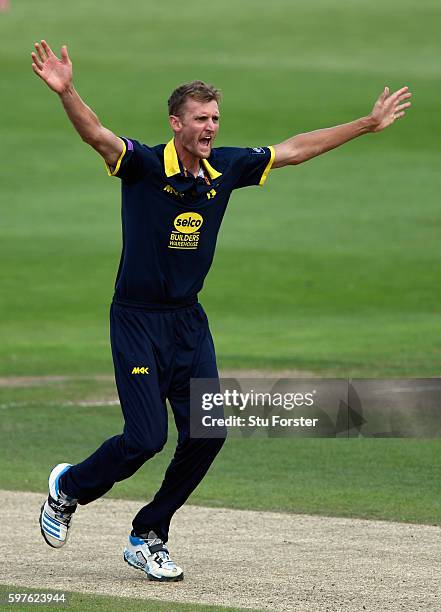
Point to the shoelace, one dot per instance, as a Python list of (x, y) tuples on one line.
[(153, 541), (64, 517), (62, 511), (163, 558)]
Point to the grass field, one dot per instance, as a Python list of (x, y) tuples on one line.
[(332, 267), (322, 476)]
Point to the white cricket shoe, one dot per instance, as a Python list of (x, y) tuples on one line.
[(56, 512), (151, 555)]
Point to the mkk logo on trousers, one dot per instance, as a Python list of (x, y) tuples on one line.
[(186, 232), (140, 370)]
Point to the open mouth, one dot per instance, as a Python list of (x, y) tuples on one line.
[(205, 141)]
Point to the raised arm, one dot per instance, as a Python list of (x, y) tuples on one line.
[(300, 148), (57, 74)]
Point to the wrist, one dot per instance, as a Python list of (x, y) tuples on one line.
[(368, 124), (67, 91)]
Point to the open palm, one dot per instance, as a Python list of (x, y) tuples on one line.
[(56, 73), (388, 108)]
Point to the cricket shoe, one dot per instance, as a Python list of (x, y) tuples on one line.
[(150, 554), (56, 513)]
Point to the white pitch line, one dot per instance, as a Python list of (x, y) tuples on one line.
[(80, 404)]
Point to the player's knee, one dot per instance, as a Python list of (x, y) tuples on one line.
[(210, 446), (152, 447), (146, 446), (157, 446)]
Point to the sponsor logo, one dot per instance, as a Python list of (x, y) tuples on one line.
[(258, 150), (188, 223), (186, 233), (140, 370), (172, 190)]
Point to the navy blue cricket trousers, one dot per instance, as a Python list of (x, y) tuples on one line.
[(155, 353)]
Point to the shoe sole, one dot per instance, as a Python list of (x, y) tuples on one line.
[(155, 578), (42, 531)]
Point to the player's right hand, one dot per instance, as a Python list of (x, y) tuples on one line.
[(56, 73)]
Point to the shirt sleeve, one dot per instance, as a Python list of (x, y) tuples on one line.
[(135, 161), (254, 165)]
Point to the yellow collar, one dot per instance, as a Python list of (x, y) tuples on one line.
[(171, 162)]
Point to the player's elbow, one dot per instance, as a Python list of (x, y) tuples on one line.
[(91, 138), (298, 153), (101, 146), (304, 148), (286, 154), (304, 154), (296, 157), (109, 146), (95, 135)]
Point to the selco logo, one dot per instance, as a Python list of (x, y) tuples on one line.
[(188, 222)]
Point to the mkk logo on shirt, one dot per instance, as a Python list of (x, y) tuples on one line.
[(170, 189), (186, 232)]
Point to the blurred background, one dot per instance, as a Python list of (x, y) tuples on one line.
[(331, 268), (333, 265)]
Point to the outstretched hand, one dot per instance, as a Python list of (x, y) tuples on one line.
[(56, 73), (388, 108)]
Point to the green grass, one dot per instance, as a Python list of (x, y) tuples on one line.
[(333, 266), (82, 601), (367, 478)]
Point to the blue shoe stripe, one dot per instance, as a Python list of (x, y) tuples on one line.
[(50, 520), (50, 529), (136, 541), (55, 528), (51, 532)]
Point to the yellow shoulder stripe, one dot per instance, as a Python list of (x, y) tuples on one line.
[(111, 172), (214, 174), (268, 166), (171, 163)]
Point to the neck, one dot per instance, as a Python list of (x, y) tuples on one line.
[(188, 160)]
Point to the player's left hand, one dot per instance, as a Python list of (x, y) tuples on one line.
[(388, 108)]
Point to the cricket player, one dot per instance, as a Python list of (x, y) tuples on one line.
[(174, 197)]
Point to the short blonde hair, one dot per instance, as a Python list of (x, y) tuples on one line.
[(197, 90)]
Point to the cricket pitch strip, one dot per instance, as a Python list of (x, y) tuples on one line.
[(261, 560)]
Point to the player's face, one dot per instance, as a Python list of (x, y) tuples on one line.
[(197, 126)]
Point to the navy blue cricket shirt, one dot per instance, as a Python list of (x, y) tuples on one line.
[(170, 219)]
